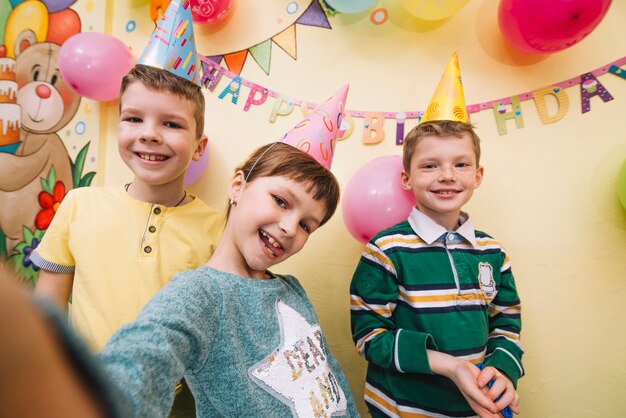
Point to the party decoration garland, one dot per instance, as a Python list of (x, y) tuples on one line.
[(504, 109), (286, 40)]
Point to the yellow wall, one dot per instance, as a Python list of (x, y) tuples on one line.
[(549, 192)]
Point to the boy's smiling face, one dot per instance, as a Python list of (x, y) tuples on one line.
[(443, 175), (156, 137)]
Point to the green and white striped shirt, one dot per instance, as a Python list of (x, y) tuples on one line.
[(418, 286)]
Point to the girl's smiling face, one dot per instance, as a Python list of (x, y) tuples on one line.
[(271, 220)]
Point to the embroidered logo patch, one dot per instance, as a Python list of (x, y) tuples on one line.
[(297, 372), (485, 279)]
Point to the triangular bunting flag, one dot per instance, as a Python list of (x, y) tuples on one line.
[(262, 54), (286, 40), (215, 58), (314, 16), (235, 61)]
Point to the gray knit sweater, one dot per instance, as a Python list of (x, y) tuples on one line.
[(246, 347)]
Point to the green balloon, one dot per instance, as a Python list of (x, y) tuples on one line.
[(5, 11), (621, 185)]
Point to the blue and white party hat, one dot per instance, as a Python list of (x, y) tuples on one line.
[(172, 46)]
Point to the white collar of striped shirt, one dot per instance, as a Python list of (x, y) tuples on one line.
[(429, 231)]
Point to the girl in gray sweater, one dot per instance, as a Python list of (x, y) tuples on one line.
[(246, 340)]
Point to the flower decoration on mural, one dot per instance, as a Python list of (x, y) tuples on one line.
[(28, 249), (49, 203), (53, 192), (22, 264)]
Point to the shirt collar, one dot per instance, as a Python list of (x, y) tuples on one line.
[(429, 231)]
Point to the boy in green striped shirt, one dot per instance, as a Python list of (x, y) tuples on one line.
[(431, 296)]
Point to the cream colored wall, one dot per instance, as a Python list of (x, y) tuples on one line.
[(549, 192)]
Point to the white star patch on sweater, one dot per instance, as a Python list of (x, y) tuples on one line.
[(297, 372)]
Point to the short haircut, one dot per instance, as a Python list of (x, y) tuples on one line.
[(280, 159), (162, 80), (438, 128)]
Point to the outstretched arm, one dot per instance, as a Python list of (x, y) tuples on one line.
[(40, 378), (172, 336)]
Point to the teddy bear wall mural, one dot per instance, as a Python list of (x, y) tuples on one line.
[(36, 170)]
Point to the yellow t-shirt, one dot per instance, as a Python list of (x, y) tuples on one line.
[(122, 251)]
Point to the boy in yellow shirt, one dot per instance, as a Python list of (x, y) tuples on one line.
[(113, 248)]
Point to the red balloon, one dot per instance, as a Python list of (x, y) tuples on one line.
[(374, 198), (62, 25), (547, 26), (209, 11)]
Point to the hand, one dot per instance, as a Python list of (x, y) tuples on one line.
[(465, 376), (501, 388)]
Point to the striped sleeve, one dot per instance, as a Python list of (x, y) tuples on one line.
[(504, 347), (373, 297)]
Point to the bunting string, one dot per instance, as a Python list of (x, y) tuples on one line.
[(504, 109)]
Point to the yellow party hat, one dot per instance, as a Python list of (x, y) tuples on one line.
[(448, 102)]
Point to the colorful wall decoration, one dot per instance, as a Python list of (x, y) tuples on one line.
[(255, 27), (47, 131)]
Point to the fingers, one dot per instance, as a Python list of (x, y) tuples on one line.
[(501, 389), (506, 399), (479, 398), (486, 375), (514, 405), (481, 411), (465, 378)]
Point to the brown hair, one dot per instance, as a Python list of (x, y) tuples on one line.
[(159, 80), (437, 128), (280, 159)]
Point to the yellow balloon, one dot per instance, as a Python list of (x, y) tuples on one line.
[(27, 22), (433, 9)]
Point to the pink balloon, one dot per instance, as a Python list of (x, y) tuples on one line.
[(209, 11), (547, 26), (374, 198), (93, 64), (197, 168)]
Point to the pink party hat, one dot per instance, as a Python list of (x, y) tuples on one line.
[(172, 46), (317, 133)]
